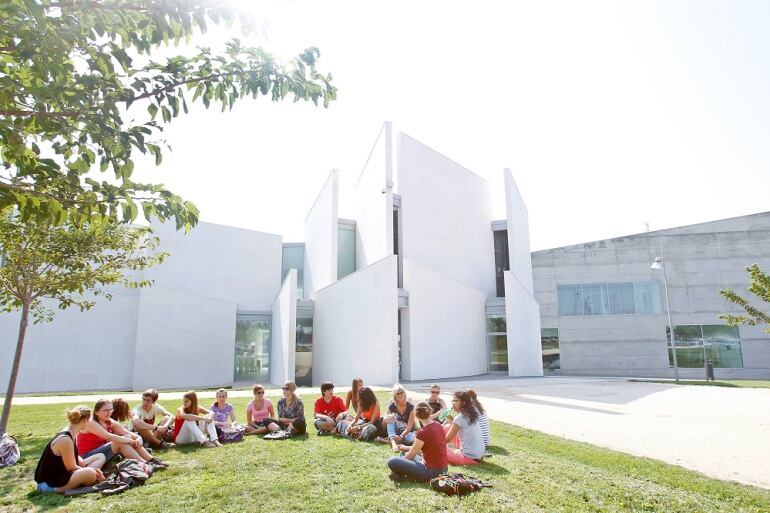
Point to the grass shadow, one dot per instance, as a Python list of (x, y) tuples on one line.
[(497, 450), (492, 468)]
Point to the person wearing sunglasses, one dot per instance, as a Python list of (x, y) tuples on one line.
[(291, 411), (436, 403), (260, 413)]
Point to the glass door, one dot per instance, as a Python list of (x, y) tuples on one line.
[(252, 349), (497, 343)]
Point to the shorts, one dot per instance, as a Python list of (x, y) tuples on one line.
[(45, 488), (105, 449)]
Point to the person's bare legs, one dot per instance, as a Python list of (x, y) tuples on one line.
[(95, 460), (149, 436), (81, 477), (128, 452)]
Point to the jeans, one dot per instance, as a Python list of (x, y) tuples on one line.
[(414, 470), (393, 430)]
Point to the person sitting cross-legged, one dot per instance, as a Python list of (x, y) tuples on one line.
[(367, 421), (260, 413), (144, 417), (328, 410), (429, 441), (194, 424), (465, 432), (436, 403), (291, 411), (399, 422)]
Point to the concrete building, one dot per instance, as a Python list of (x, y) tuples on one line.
[(418, 284), (603, 309)]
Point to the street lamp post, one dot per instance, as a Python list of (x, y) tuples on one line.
[(658, 264)]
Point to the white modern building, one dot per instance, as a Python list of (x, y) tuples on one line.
[(422, 283)]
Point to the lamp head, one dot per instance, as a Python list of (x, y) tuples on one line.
[(657, 264)]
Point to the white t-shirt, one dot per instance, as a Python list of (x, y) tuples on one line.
[(147, 416), (470, 436)]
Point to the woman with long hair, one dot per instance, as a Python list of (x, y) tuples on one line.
[(367, 421), (399, 422), (260, 413), (194, 424), (102, 435), (60, 468), (121, 411), (430, 442), (291, 411), (464, 427), (483, 418), (352, 396)]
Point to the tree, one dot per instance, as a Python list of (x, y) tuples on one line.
[(60, 263), (760, 287), (71, 82)]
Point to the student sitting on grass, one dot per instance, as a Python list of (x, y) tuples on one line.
[(399, 422), (224, 413), (60, 468), (102, 435), (465, 432), (328, 410), (291, 411), (352, 396), (436, 403), (483, 418), (194, 424), (144, 417), (260, 413), (430, 442), (121, 411), (367, 421)]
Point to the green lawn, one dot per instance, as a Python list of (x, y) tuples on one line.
[(530, 471), (734, 383)]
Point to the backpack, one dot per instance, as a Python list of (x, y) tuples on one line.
[(457, 484), (9, 451), (128, 473), (232, 433)]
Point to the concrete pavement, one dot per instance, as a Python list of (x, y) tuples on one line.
[(721, 432)]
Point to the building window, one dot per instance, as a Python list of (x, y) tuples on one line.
[(696, 344), (497, 341), (502, 262), (252, 348), (303, 353), (641, 298), (549, 339), (346, 249), (294, 258)]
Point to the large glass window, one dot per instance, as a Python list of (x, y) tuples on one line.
[(346, 250), (695, 344), (549, 338), (294, 258), (609, 298), (497, 340), (303, 353), (502, 262), (252, 349)]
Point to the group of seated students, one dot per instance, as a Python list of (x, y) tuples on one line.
[(456, 435)]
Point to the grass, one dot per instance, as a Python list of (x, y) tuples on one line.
[(530, 471), (735, 383)]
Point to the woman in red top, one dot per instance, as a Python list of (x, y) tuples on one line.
[(367, 421), (102, 435), (430, 442)]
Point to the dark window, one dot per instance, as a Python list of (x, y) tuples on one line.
[(502, 263)]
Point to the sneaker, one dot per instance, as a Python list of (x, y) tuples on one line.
[(207, 445), (398, 478), (321, 432), (167, 445), (158, 463)]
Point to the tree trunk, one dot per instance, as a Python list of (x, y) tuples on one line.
[(15, 368)]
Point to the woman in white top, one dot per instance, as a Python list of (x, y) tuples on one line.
[(464, 427)]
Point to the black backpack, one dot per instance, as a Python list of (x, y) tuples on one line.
[(457, 484)]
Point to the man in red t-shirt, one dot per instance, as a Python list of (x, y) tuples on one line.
[(328, 410)]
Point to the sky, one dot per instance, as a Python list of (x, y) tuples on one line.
[(611, 115)]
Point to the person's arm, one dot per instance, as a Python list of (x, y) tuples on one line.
[(95, 428), (414, 450), (180, 414), (233, 420), (452, 433), (410, 423), (207, 415), (63, 448), (440, 411), (271, 410), (139, 424), (168, 419), (376, 413), (348, 398)]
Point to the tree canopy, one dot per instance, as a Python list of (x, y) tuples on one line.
[(81, 96), (760, 287)]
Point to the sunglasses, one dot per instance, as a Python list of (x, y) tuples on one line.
[(261, 392), (434, 392), (285, 388)]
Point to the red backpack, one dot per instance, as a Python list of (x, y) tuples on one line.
[(457, 484)]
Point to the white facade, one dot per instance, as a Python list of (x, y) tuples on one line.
[(226, 306)]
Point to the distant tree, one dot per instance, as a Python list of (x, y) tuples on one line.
[(760, 287), (72, 74), (62, 263)]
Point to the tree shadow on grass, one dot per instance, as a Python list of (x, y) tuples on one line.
[(46, 501)]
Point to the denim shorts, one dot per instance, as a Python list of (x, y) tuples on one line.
[(105, 449)]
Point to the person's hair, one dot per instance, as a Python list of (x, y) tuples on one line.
[(78, 414), (99, 404), (423, 410), (326, 385), (355, 388), (292, 386), (366, 398), (221, 390), (468, 408), (120, 410), (257, 388), (476, 402), (151, 393), (193, 398), (435, 385), (397, 389)]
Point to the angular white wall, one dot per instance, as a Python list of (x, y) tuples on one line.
[(183, 340), (518, 233), (321, 238), (373, 203), (447, 326), (284, 331), (522, 316), (355, 327), (446, 216)]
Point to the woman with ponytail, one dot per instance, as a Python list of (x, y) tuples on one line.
[(465, 427), (483, 419), (430, 442)]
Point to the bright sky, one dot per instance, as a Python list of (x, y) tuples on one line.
[(610, 114)]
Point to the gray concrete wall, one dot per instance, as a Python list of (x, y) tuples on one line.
[(701, 259)]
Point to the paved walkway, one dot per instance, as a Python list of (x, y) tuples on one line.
[(721, 432)]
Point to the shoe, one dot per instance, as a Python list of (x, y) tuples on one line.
[(382, 439), (398, 478), (321, 432), (158, 463), (167, 445), (207, 445)]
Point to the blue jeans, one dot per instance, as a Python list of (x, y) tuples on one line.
[(105, 449), (393, 430), (414, 470)]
